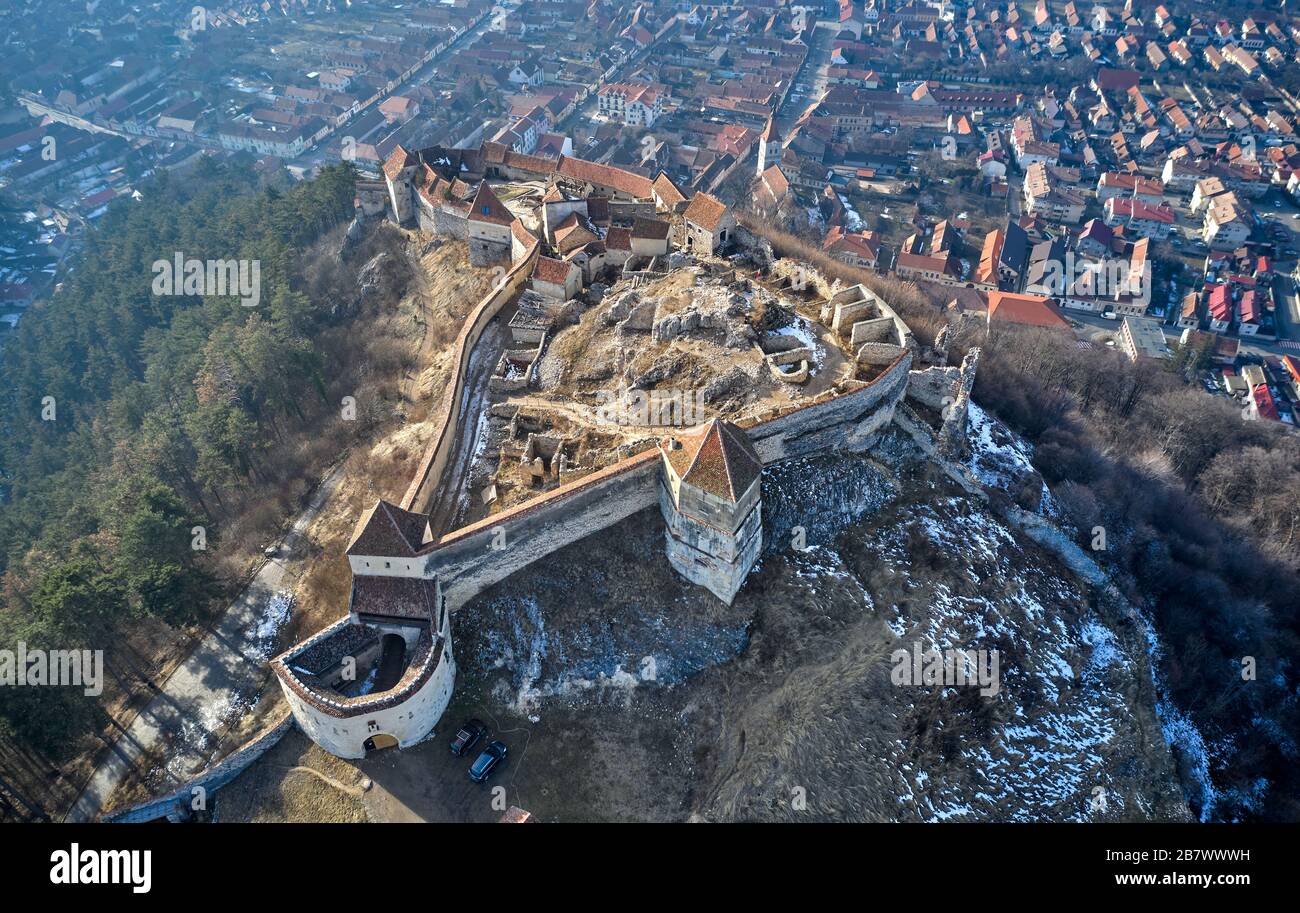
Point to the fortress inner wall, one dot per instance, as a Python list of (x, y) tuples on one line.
[(433, 462), (474, 557), (846, 423)]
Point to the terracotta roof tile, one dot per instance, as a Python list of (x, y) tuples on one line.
[(487, 208), (398, 159), (551, 270), (633, 185), (667, 190), (719, 459), (705, 211), (1028, 310)]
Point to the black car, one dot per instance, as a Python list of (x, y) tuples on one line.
[(467, 737), (492, 756)]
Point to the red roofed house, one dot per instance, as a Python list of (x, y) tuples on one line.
[(1139, 217), (557, 279), (489, 228), (398, 109), (1219, 307), (1292, 365), (1262, 403), (857, 249), (1025, 310), (632, 104), (708, 224), (1251, 313)]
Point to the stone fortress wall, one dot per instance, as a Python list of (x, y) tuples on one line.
[(419, 495), (474, 557), (470, 559), (463, 562)]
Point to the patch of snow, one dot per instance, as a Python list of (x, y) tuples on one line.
[(802, 330)]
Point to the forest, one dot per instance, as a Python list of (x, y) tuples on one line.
[(136, 427)]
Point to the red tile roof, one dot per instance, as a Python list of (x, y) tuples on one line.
[(719, 459), (398, 159), (487, 208), (667, 190), (551, 270), (618, 239), (633, 185), (1264, 403), (1027, 310)]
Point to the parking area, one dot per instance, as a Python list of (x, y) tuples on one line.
[(625, 760)]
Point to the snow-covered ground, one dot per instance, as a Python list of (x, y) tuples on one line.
[(585, 657), (200, 727), (999, 456), (803, 331), (1060, 708)]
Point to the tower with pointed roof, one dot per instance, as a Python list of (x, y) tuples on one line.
[(489, 228), (399, 169), (711, 504)]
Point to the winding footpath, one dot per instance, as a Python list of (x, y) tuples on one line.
[(220, 678)]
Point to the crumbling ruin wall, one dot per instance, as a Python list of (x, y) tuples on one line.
[(952, 435), (874, 330), (934, 387), (802, 276), (848, 422), (878, 353)]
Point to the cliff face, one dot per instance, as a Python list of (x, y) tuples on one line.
[(790, 704), (817, 723)]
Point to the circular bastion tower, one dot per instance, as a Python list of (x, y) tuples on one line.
[(383, 674)]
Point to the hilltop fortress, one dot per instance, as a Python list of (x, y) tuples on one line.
[(563, 230)]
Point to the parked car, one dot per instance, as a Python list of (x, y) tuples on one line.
[(488, 761), (1109, 314), (467, 736)]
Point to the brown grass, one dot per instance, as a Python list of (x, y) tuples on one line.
[(904, 297)]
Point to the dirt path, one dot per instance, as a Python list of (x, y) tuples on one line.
[(355, 792), (224, 673), (445, 507)]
